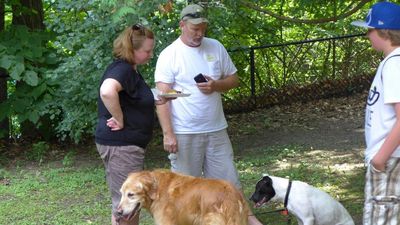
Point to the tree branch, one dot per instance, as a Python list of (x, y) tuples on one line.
[(305, 21)]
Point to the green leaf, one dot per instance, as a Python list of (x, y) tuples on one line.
[(122, 12), (17, 70), (37, 52), (20, 105), (31, 78), (23, 33), (3, 48), (39, 90), (5, 62), (33, 116), (28, 54), (51, 59)]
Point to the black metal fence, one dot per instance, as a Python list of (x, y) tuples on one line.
[(301, 71)]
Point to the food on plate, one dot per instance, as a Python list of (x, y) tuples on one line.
[(172, 91)]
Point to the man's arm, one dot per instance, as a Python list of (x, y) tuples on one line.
[(222, 85), (164, 116)]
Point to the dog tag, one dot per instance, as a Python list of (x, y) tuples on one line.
[(284, 212)]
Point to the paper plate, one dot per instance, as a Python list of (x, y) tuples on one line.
[(156, 93)]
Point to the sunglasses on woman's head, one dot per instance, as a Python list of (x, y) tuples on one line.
[(138, 27)]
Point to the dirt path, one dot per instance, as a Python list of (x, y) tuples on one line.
[(330, 124)]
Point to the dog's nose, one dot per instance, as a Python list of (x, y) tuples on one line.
[(120, 211), (118, 215), (253, 197)]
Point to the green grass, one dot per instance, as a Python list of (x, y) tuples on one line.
[(292, 162), (68, 194)]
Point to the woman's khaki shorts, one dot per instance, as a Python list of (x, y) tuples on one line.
[(119, 161)]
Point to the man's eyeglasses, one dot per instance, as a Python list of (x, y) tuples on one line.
[(139, 27)]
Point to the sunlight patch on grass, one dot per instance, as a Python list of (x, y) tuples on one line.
[(344, 183)]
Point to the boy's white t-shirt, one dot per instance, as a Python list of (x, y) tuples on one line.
[(380, 115), (178, 64)]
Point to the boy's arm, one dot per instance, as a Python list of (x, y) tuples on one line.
[(391, 143)]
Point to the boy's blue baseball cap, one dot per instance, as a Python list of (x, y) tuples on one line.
[(382, 15)]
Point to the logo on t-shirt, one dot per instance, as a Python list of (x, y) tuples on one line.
[(373, 96), (210, 58)]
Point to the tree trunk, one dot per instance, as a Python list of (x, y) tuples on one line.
[(2, 14), (4, 124), (30, 14)]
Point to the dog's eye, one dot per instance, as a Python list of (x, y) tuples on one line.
[(130, 195)]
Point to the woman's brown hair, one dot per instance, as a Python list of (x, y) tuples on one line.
[(130, 40)]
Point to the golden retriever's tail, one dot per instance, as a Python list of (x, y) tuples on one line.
[(244, 212), (230, 213), (214, 218), (238, 212)]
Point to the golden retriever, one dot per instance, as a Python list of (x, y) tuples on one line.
[(176, 199)]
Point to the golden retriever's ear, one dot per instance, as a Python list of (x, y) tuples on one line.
[(153, 194)]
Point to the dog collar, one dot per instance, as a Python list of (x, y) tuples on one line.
[(287, 194)]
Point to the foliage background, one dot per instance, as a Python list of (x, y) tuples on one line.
[(54, 72)]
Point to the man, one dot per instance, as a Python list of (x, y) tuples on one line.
[(194, 127)]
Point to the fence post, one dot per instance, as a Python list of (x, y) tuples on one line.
[(252, 76), (334, 59)]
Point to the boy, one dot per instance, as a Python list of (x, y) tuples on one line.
[(382, 118)]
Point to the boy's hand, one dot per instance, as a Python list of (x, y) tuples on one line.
[(378, 163)]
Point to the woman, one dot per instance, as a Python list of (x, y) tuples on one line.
[(125, 111)]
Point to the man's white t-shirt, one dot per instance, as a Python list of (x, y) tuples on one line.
[(178, 64), (380, 115)]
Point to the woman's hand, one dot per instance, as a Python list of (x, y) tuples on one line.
[(114, 124)]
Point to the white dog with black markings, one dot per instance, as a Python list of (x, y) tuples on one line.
[(308, 204)]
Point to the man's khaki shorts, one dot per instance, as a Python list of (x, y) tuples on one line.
[(208, 154)]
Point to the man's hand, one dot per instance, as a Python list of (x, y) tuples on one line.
[(207, 87), (162, 100), (170, 143), (220, 85)]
